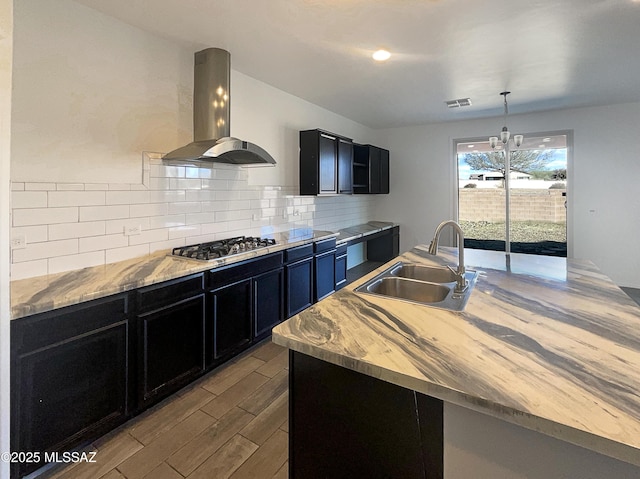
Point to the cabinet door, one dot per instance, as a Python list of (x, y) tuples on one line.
[(341, 271), (328, 181), (384, 171), (374, 169), (70, 390), (268, 302), (230, 307), (345, 166), (299, 286), (172, 348), (325, 274)]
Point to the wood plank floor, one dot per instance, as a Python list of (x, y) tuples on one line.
[(232, 423)]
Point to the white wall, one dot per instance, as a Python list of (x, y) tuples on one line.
[(6, 40), (91, 95), (602, 186)]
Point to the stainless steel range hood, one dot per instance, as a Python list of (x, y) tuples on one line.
[(211, 114)]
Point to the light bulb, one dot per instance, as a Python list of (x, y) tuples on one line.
[(517, 140), (493, 141), (504, 135)]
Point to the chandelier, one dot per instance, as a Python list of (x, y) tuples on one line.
[(505, 134)]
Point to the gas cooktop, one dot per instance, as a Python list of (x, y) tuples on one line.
[(221, 248)]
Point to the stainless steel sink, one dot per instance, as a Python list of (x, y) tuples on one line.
[(417, 291), (424, 273), (426, 285)]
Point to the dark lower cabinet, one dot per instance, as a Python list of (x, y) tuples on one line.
[(298, 275), (172, 347), (171, 321), (268, 289), (70, 377), (343, 424), (341, 266), (325, 274), (230, 307)]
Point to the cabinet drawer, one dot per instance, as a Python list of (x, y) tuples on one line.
[(299, 252), (44, 329), (324, 245), (158, 295), (236, 272), (341, 249)]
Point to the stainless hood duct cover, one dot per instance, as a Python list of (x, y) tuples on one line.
[(211, 114)]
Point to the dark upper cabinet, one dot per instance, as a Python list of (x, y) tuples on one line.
[(345, 166), (370, 169), (325, 163), (63, 364), (170, 336)]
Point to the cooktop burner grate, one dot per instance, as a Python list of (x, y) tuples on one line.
[(218, 249)]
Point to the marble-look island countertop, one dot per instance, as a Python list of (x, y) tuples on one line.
[(551, 345), (45, 293)]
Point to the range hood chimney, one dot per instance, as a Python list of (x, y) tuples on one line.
[(211, 114)]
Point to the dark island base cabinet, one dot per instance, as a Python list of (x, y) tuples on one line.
[(62, 364), (347, 424)]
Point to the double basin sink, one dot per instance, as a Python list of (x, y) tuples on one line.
[(427, 285)]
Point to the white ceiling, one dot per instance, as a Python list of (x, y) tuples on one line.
[(550, 53)]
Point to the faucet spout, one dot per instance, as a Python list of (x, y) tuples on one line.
[(461, 282)]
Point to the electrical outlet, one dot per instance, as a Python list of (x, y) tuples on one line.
[(132, 230), (18, 242)]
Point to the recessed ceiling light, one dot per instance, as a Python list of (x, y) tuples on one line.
[(381, 55), (470, 146), (546, 140)]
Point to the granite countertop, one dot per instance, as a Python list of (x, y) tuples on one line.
[(358, 231), (549, 344), (45, 293)]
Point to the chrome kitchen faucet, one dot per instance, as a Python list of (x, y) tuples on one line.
[(461, 282)]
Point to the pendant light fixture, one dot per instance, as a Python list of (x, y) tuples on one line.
[(505, 134), (494, 142)]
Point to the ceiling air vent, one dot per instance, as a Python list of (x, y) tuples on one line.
[(458, 103)]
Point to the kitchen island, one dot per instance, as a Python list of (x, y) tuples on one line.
[(545, 357)]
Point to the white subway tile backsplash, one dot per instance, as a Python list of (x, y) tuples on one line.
[(40, 186), (29, 199), (159, 183), (29, 269), (96, 243), (185, 184), (169, 196), (44, 216), (152, 209), (32, 234), (76, 198), (48, 249), (76, 230), (76, 261), (184, 231), (98, 213), (70, 186), (149, 236), (96, 186), (167, 221), (199, 218), (118, 226), (185, 207), (166, 245), (83, 224), (120, 254), (120, 186), (166, 171), (127, 197)]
